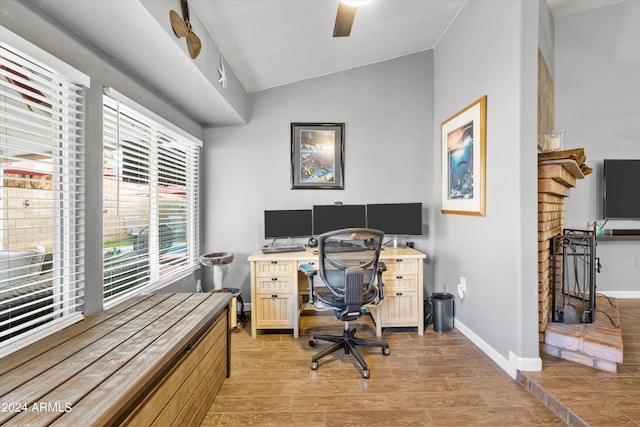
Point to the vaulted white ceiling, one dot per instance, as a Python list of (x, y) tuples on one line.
[(275, 42), (266, 43)]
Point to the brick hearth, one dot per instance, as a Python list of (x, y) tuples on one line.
[(597, 344)]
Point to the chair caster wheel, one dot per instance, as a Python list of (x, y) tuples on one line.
[(312, 343), (386, 351), (365, 373), (314, 366)]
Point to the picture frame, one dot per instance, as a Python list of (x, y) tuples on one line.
[(463, 140), (317, 156)]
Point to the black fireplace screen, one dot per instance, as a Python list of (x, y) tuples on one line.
[(573, 275)]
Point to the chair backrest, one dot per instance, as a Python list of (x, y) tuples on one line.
[(348, 261)]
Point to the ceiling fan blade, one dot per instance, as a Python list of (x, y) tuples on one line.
[(193, 44), (344, 20), (178, 24), (185, 10)]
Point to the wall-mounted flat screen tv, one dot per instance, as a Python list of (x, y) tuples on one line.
[(334, 217), (621, 189), (400, 219), (283, 224)]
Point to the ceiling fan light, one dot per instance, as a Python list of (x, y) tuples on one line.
[(355, 3)]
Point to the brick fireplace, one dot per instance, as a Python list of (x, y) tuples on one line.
[(555, 178), (597, 344)]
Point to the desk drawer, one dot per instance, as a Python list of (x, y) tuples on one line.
[(274, 268), (400, 283), (274, 284), (401, 266)]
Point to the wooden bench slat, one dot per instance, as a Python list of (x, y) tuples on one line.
[(211, 383), (143, 370), (160, 352), (183, 397), (82, 373), (31, 380), (164, 392), (17, 359)]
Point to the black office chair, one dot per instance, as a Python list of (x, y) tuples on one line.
[(352, 275)]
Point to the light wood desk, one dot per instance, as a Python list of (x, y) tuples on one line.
[(277, 285)]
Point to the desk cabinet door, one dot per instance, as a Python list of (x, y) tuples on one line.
[(400, 309), (274, 310)]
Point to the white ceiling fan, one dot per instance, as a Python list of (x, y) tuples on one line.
[(345, 16)]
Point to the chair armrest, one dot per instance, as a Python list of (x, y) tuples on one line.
[(381, 269), (309, 271)]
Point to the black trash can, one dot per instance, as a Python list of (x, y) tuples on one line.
[(442, 312), (236, 306)]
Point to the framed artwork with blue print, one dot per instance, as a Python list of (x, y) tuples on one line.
[(463, 160), (317, 156)]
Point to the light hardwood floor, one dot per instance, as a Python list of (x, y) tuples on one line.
[(433, 380)]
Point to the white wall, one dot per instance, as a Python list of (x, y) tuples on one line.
[(597, 86), (388, 115), (491, 49)]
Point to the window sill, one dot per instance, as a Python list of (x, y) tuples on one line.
[(156, 285)]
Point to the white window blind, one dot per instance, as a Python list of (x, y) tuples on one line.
[(150, 201), (41, 196)]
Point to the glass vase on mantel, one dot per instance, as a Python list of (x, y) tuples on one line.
[(555, 141)]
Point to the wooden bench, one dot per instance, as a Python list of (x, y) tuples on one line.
[(152, 360)]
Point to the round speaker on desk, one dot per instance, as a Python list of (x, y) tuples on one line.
[(313, 242)]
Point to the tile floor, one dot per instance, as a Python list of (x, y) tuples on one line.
[(430, 380)]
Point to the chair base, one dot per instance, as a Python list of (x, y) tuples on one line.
[(348, 342)]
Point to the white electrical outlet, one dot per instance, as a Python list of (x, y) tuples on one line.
[(462, 287)]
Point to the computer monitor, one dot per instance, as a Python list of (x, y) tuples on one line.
[(400, 219), (284, 224), (335, 217), (620, 193)]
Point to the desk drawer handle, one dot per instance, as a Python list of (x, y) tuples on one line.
[(398, 277), (274, 296), (274, 279), (399, 260), (399, 294), (274, 262)]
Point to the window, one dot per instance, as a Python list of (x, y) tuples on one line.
[(150, 199), (41, 193)]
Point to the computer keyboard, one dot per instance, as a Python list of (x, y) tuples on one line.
[(334, 249), (280, 249)]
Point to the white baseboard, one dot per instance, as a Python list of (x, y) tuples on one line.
[(622, 294), (510, 366)]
